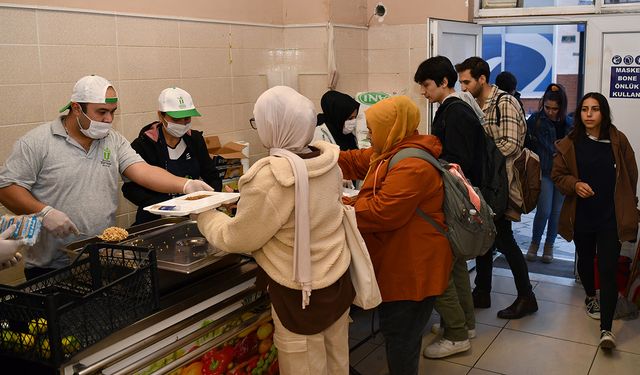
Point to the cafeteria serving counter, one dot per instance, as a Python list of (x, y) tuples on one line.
[(201, 311)]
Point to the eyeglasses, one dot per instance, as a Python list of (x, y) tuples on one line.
[(252, 122)]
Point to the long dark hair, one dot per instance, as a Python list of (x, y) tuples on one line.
[(605, 112), (556, 93)]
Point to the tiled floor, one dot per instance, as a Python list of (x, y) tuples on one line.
[(559, 339)]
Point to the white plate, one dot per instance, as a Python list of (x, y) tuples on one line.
[(350, 192), (182, 206)]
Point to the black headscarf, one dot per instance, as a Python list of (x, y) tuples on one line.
[(337, 108)]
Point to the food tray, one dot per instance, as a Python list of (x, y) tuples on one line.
[(186, 204), (52, 317), (180, 247)]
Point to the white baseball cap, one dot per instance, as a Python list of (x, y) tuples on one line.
[(177, 103), (90, 89)]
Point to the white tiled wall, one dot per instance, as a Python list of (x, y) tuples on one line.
[(224, 67)]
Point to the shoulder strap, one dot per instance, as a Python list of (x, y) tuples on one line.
[(502, 94), (498, 107), (461, 102), (412, 152)]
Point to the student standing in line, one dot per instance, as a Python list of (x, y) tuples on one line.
[(289, 218), (545, 127), (412, 260), (460, 131), (595, 168), (509, 135)]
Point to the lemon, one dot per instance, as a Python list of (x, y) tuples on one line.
[(38, 326), (45, 349), (16, 341), (70, 344)]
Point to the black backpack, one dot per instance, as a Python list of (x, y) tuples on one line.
[(495, 185)]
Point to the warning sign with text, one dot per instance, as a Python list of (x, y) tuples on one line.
[(625, 82)]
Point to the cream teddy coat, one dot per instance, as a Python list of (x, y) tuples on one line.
[(264, 222)]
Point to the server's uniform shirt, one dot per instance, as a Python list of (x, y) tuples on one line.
[(60, 173)]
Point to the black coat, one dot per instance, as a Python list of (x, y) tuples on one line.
[(155, 153), (462, 137)]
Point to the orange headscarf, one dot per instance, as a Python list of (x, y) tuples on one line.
[(391, 120)]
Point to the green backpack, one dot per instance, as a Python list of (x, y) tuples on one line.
[(471, 233)]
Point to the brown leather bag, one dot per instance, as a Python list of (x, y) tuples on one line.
[(528, 178)]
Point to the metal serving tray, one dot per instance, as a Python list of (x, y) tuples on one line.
[(179, 247)]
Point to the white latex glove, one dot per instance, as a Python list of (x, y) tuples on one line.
[(9, 255), (191, 186), (57, 222)]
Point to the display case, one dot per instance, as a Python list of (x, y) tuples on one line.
[(211, 313)]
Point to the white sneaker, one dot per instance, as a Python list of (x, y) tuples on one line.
[(444, 348), (607, 340), (437, 330)]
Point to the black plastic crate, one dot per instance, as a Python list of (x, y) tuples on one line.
[(52, 317)]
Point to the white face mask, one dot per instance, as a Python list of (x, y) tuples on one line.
[(349, 126), (177, 130), (96, 130)]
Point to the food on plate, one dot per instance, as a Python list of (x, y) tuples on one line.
[(114, 234), (196, 197)]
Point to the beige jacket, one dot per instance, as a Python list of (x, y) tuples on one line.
[(264, 223)]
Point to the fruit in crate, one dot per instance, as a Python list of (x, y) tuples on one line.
[(45, 348), (17, 341), (37, 326), (70, 344)]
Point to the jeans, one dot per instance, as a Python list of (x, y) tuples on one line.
[(548, 209), (506, 244), (402, 324), (604, 243)]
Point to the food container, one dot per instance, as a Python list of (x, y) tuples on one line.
[(192, 203), (180, 247)]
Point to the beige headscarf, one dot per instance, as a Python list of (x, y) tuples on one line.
[(390, 121), (286, 121)]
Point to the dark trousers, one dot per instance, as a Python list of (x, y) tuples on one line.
[(402, 324), (506, 244), (606, 245)]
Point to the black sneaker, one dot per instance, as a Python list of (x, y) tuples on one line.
[(607, 340), (593, 307)]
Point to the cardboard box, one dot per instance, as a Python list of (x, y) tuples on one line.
[(229, 153)]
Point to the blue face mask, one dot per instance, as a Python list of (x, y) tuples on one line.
[(96, 130)]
